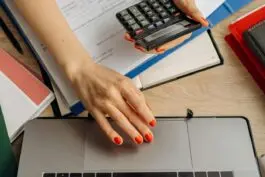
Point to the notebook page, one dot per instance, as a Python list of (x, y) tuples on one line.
[(182, 61), (96, 26)]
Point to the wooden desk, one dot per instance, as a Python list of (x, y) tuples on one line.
[(225, 90)]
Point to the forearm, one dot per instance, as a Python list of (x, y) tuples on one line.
[(49, 24)]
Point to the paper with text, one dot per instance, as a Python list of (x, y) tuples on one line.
[(95, 24)]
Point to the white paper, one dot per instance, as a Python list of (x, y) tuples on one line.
[(207, 7), (96, 26), (182, 61)]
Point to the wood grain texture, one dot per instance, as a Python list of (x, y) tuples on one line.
[(225, 90)]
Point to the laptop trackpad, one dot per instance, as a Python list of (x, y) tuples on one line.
[(169, 152)]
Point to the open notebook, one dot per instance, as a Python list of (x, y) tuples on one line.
[(182, 62)]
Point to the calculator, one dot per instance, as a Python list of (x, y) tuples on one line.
[(152, 23)]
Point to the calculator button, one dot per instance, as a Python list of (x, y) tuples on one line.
[(155, 5), (139, 31), (159, 9), (135, 27), (150, 13), (166, 20), (172, 10), (140, 18), (154, 18), (146, 9), (164, 14), (144, 23), (134, 11), (127, 17), (142, 4), (124, 12), (164, 1), (159, 23), (131, 22), (151, 1), (150, 27), (168, 5)]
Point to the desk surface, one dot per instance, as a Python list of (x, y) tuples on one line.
[(225, 90)]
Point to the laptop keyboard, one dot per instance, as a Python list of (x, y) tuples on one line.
[(145, 174)]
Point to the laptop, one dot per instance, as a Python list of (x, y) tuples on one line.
[(199, 147)]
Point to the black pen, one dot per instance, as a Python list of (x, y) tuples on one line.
[(11, 36)]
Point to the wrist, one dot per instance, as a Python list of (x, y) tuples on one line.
[(77, 64)]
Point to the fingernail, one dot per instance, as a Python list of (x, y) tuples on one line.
[(139, 48), (152, 123), (128, 38), (149, 137), (139, 139), (160, 50), (204, 20), (117, 140)]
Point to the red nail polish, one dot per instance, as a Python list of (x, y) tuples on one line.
[(149, 137), (117, 140), (204, 20), (139, 48), (153, 123), (160, 50), (139, 139), (128, 38)]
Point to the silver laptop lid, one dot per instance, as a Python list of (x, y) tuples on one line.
[(180, 146)]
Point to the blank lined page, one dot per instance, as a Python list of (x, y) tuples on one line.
[(198, 54)]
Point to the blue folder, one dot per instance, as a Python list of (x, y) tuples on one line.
[(224, 11)]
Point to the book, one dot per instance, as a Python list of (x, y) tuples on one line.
[(182, 62), (22, 95), (239, 45), (8, 164), (241, 54), (101, 8)]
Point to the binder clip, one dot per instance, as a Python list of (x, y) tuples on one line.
[(189, 114)]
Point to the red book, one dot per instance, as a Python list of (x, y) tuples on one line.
[(22, 95), (235, 45), (237, 29)]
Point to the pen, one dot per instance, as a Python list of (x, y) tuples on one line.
[(11, 36)]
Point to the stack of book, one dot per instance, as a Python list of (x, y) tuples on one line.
[(97, 28), (247, 39), (22, 95)]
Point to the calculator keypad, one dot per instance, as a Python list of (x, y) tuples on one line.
[(150, 16)]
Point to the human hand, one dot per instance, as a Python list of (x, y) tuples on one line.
[(190, 9), (106, 92)]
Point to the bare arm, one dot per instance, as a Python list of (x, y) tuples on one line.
[(102, 91), (46, 20)]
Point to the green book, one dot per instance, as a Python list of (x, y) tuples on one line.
[(8, 165)]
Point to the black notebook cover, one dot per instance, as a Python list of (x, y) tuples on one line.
[(255, 39)]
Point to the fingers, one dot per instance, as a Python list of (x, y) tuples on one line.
[(173, 43), (128, 37), (124, 123), (190, 8), (136, 99), (161, 49), (106, 127), (135, 119)]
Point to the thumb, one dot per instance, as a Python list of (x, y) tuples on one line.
[(189, 8)]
